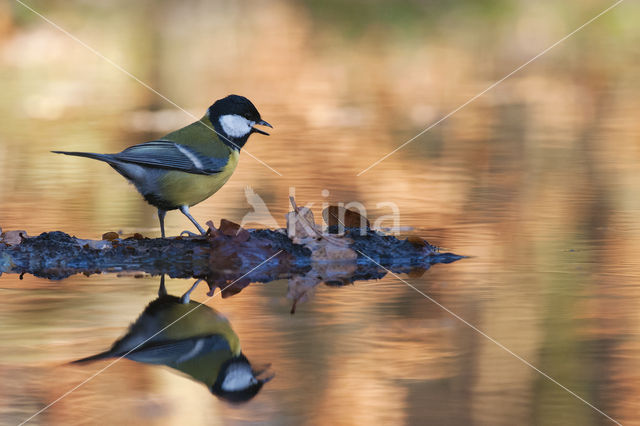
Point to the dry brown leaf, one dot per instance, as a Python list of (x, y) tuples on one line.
[(13, 238), (228, 228), (305, 231), (110, 236), (338, 215), (301, 225), (416, 241), (232, 229)]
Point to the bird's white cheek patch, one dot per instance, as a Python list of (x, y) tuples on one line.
[(238, 378), (235, 125)]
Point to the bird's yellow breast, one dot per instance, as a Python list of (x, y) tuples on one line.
[(180, 188)]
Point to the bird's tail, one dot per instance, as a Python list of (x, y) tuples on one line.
[(101, 157), (101, 355)]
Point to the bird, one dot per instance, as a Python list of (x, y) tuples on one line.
[(193, 339), (187, 166)]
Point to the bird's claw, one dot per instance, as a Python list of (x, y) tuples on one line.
[(190, 234)]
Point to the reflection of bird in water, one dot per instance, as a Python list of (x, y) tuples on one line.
[(193, 339), (260, 213)]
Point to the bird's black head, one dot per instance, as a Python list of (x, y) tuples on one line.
[(233, 119)]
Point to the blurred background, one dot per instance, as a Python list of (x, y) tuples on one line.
[(537, 180)]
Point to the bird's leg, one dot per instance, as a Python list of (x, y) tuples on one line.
[(186, 297), (162, 291), (161, 215), (185, 211)]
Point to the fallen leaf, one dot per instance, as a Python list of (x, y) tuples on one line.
[(416, 241), (339, 216), (228, 228), (110, 236), (232, 229), (300, 289), (301, 225), (302, 229), (13, 238)]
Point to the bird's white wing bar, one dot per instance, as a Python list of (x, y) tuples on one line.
[(194, 158)]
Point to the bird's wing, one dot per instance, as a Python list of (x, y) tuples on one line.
[(178, 351), (171, 155)]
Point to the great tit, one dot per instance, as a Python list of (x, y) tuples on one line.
[(192, 338), (189, 165)]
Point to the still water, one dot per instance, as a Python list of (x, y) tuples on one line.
[(536, 182)]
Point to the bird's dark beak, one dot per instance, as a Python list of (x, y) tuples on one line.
[(261, 123)]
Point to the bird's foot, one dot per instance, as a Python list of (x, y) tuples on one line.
[(187, 296), (191, 234)]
